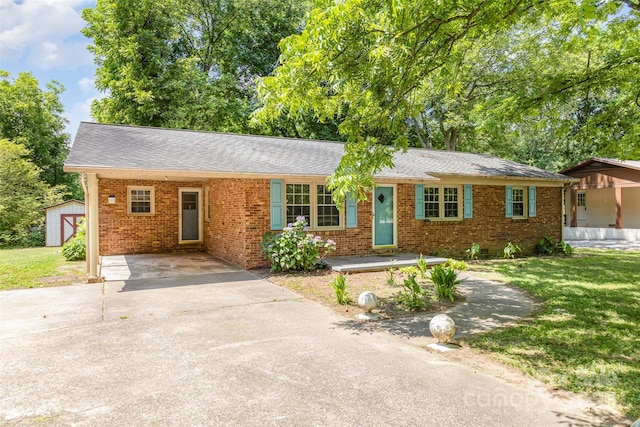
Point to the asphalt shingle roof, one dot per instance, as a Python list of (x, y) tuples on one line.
[(120, 147)]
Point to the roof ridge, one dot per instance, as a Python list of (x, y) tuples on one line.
[(211, 132)]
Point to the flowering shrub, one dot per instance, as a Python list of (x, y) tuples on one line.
[(75, 248), (294, 248)]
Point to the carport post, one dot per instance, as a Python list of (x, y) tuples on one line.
[(92, 226)]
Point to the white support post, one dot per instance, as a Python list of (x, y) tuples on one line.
[(83, 181), (92, 227)]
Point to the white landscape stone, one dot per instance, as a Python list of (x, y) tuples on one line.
[(442, 327), (368, 301)]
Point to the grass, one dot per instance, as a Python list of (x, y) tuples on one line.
[(37, 267), (587, 337)]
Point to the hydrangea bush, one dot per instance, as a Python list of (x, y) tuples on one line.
[(295, 249)]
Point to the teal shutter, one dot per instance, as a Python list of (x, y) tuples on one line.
[(419, 201), (532, 201), (509, 202), (352, 211), (276, 188), (468, 201)]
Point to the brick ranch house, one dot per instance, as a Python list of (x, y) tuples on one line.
[(164, 190)]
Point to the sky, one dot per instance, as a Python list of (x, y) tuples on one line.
[(44, 38)]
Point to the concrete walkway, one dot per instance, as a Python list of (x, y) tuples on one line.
[(488, 305), (228, 348), (378, 262)]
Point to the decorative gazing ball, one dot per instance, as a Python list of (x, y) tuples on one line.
[(368, 301), (442, 327)]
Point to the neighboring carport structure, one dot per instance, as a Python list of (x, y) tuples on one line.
[(605, 203)]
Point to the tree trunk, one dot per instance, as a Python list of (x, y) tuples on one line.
[(451, 139)]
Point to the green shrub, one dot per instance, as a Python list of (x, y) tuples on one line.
[(391, 277), (75, 249), (564, 248), (294, 248), (340, 288), (423, 266), (412, 296), (511, 250), (455, 264), (445, 279), (473, 251), (409, 270), (546, 246)]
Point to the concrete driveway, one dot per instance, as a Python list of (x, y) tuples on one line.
[(223, 347)]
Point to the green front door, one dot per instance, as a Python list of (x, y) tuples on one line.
[(384, 219)]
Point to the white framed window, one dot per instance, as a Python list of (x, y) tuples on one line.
[(519, 204), (141, 200), (443, 202), (582, 200), (313, 201), (298, 198)]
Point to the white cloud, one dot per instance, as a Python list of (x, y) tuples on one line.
[(44, 33), (87, 85)]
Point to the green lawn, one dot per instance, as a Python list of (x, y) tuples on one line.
[(37, 267), (587, 337)]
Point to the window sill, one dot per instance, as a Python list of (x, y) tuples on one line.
[(430, 220)]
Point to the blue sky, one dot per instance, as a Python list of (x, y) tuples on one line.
[(43, 37)]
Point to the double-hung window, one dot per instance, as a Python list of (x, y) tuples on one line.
[(521, 202), (141, 200), (328, 214), (518, 203), (442, 202), (314, 202), (298, 201)]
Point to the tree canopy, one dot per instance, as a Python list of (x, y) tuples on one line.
[(519, 79), (182, 64), (22, 194), (33, 117)]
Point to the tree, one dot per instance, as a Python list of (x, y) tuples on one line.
[(453, 75), (22, 195), (186, 64), (33, 117)]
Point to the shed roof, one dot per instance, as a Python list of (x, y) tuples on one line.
[(104, 147), (62, 203)]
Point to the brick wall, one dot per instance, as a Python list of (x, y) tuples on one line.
[(240, 217), (489, 227), (227, 229), (121, 233)]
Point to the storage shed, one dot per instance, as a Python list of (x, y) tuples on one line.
[(62, 221)]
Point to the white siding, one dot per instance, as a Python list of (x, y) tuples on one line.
[(601, 208), (53, 235), (631, 207)]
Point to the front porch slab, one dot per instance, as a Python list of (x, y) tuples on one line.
[(378, 262)]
